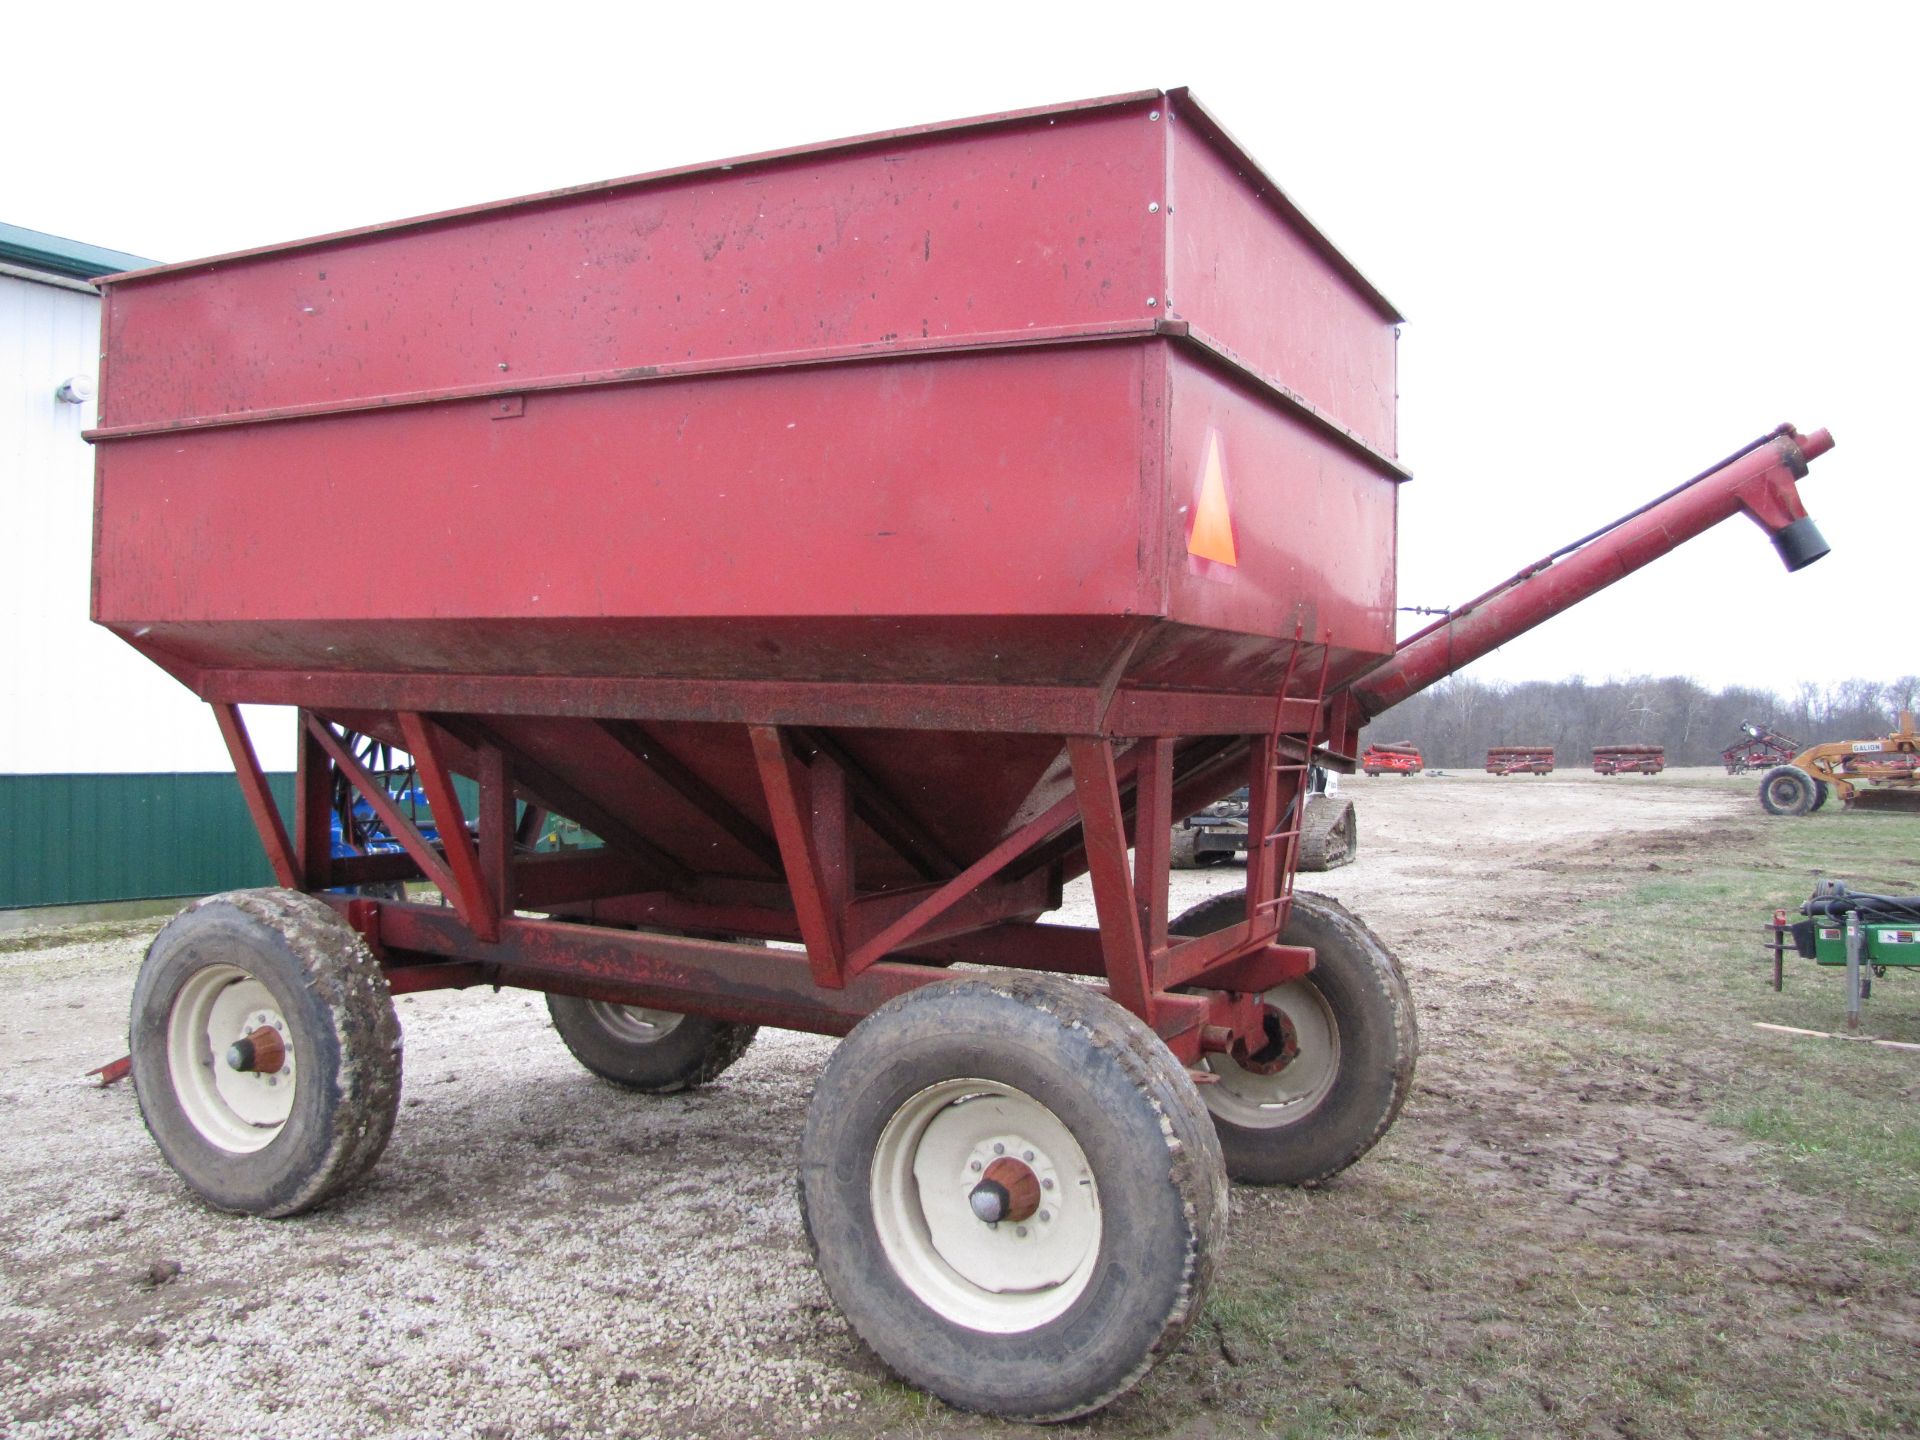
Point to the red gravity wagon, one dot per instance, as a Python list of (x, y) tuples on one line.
[(862, 541)]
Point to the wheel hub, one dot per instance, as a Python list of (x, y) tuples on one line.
[(234, 1066), (1281, 1047), (1281, 1081), (261, 1051), (986, 1206), (635, 1024), (1008, 1190)]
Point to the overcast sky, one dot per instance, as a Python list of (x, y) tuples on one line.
[(1625, 244)]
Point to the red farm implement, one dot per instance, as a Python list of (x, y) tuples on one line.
[(1629, 759), (1759, 746), (1520, 760), (1402, 758), (862, 543)]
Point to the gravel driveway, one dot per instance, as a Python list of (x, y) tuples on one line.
[(537, 1254)]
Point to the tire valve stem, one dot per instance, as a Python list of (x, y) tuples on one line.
[(262, 1052), (1009, 1190)]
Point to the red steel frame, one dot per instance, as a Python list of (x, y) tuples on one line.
[(860, 949)]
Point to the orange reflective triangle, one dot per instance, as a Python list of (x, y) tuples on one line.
[(1211, 534)]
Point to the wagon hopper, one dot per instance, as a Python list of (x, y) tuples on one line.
[(861, 541)]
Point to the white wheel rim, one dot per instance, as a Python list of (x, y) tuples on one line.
[(634, 1024), (237, 1110), (1265, 1102), (1003, 1278)]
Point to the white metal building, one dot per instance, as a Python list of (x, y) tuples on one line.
[(76, 702)]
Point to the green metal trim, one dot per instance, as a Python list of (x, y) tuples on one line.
[(57, 255), (75, 839)]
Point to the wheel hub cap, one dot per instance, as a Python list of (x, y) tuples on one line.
[(232, 1059), (986, 1206), (1286, 1079), (1008, 1190), (1281, 1049)]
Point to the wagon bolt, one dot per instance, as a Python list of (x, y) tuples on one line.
[(1019, 1229), (1008, 1191), (263, 1052), (1153, 115), (976, 1165), (1046, 1215), (1153, 207), (999, 1149), (1151, 302), (1027, 1155), (1047, 1184)]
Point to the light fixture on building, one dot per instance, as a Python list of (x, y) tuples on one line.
[(75, 390)]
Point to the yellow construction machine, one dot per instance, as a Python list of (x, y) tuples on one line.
[(1891, 764)]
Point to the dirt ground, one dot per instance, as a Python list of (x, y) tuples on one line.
[(540, 1255)]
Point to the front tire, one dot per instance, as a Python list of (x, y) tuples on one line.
[(1788, 790), (1350, 1024), (266, 1052), (656, 1052), (1036, 1313)]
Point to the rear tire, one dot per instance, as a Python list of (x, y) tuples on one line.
[(656, 1052), (1048, 1312), (1352, 1022), (1787, 790), (246, 1137)]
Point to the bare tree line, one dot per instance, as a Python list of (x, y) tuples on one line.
[(1456, 721)]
